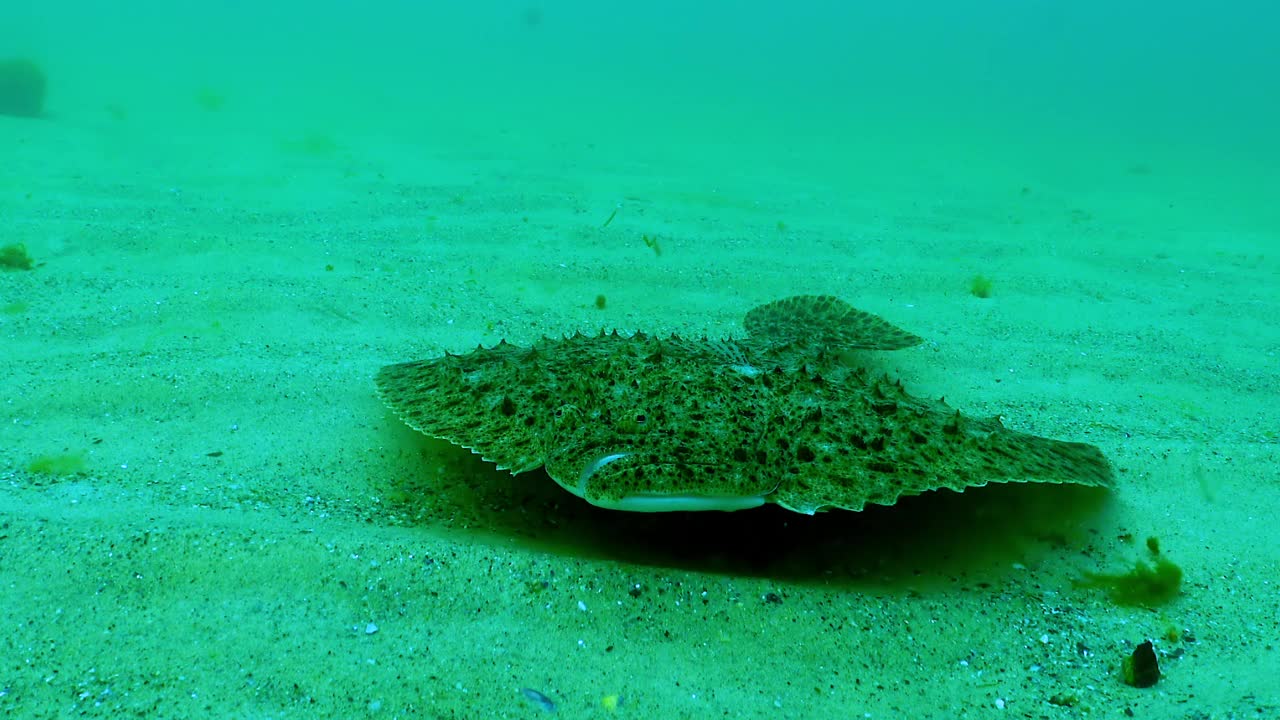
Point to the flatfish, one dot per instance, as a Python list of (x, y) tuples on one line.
[(781, 415)]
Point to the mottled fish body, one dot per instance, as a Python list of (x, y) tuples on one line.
[(641, 423)]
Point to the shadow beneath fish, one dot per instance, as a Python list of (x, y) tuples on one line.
[(928, 541)]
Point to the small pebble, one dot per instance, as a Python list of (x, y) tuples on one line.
[(538, 699)]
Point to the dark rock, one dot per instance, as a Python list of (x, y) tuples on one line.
[(1142, 668)]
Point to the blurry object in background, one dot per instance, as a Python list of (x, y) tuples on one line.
[(21, 88), (531, 17), (315, 144), (210, 100)]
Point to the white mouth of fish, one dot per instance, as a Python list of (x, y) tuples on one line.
[(657, 502)]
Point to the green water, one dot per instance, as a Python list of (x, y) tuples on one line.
[(236, 213), (1171, 106)]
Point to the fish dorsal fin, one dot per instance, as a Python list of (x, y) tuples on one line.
[(822, 321)]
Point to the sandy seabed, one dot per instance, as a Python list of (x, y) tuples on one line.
[(242, 530)]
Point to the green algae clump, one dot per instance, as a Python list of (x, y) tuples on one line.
[(59, 465), (980, 286), (1146, 585), (16, 257)]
